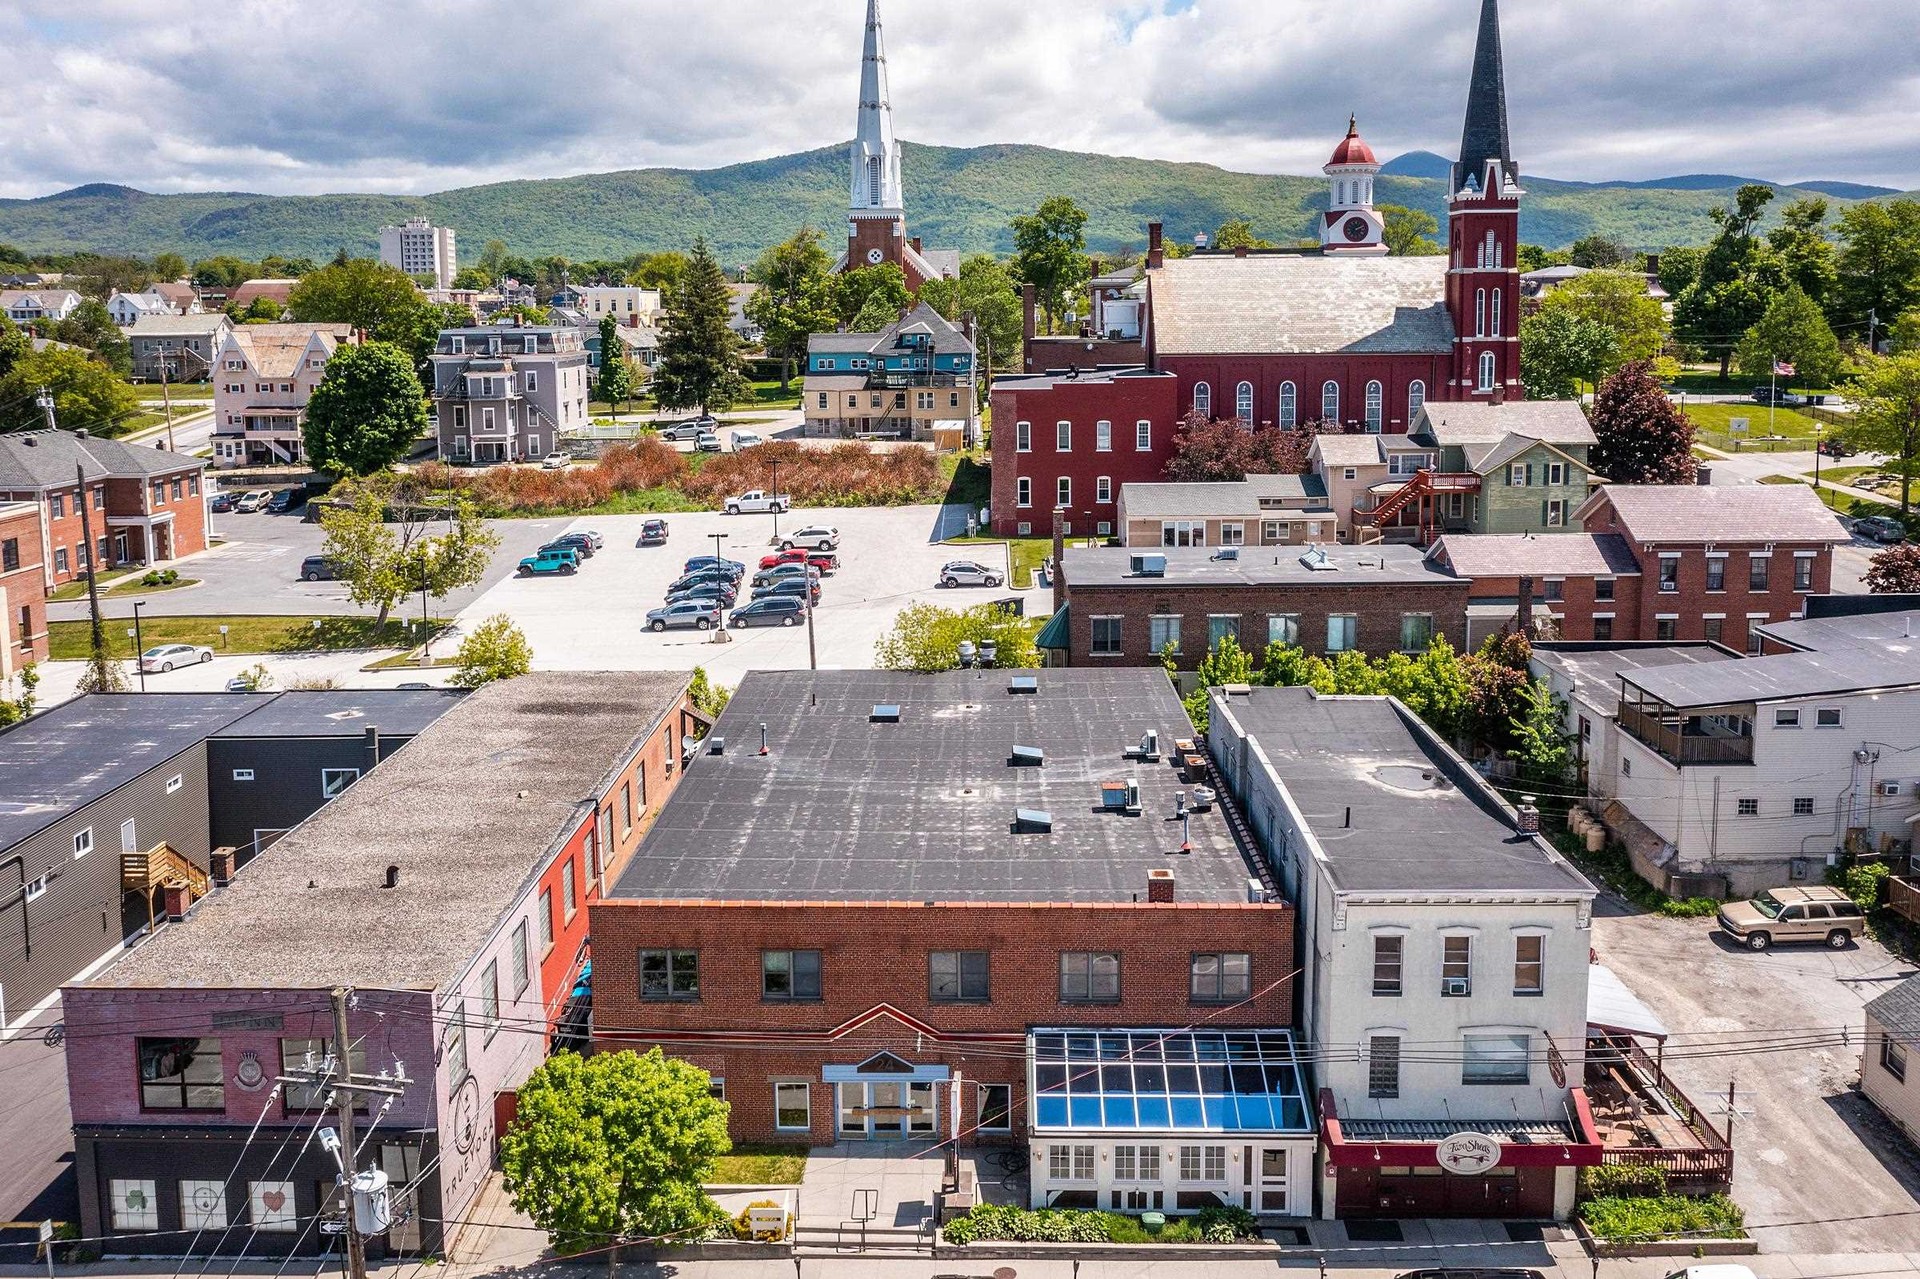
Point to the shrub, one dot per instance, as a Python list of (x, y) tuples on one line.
[(1641, 1217), (1005, 1222), (1865, 882), (160, 577), (1606, 1181)]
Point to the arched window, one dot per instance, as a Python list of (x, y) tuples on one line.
[(876, 179), (1496, 313), (1486, 370), (1490, 252), (1203, 399), (1243, 403), (1374, 400), (1289, 409), (1416, 397), (1479, 313), (1330, 402)]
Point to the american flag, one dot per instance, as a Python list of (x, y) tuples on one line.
[(1782, 369)]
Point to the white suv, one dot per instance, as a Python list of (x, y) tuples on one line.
[(820, 537)]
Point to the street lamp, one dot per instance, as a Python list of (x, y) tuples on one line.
[(1816, 456), (719, 635), (775, 504), (139, 646)]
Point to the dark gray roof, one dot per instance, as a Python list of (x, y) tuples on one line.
[(396, 712), (1543, 554), (66, 758), (947, 337), (1485, 136), (1778, 678), (1595, 670), (1382, 564), (469, 811), (1899, 1010), (1421, 820), (37, 459), (846, 809)]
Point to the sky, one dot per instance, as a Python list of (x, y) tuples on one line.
[(415, 96)]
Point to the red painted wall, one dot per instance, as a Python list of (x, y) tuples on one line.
[(1044, 404)]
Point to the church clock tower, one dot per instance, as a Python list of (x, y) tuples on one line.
[(877, 216), (1351, 227), (1483, 234)]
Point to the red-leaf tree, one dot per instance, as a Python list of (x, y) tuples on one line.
[(1218, 449), (1895, 571), (1642, 438)]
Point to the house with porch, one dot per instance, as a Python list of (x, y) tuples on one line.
[(913, 380), (143, 505), (178, 348), (264, 375), (39, 306), (507, 392)]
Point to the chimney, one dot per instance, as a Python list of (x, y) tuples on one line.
[(372, 748), (1156, 247), (1159, 884), (1239, 250), (916, 243), (1027, 304), (1525, 618), (178, 898), (1059, 550), (220, 866), (1529, 816), (1499, 392)]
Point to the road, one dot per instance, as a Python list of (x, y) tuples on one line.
[(192, 427), (36, 1177)]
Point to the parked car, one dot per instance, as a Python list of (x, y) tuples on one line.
[(556, 461), (775, 611), (782, 571), (252, 500), (416, 686), (744, 440), (702, 577), (284, 500), (698, 614), (653, 533), (592, 535), (702, 561), (756, 501), (164, 657), (689, 429), (967, 573), (220, 503), (721, 593), (1836, 448), (807, 588), (580, 542), (821, 537), (825, 561), (318, 568), (551, 559), (1819, 914), (706, 442), (1881, 528)]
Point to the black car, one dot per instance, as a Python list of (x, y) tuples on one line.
[(1835, 448), (699, 562), (318, 568), (724, 592), (785, 610), (700, 577), (220, 503), (285, 500), (581, 543), (807, 589), (653, 533)]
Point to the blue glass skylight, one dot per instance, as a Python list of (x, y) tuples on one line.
[(1167, 1081)]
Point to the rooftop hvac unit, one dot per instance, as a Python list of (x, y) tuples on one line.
[(1032, 821), (885, 713), (1024, 684), (716, 746), (1121, 797), (1148, 750), (1146, 565), (1028, 757)]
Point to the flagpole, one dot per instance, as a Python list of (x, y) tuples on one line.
[(1773, 401)]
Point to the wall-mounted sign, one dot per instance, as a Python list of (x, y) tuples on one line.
[(1467, 1153), (249, 1074)]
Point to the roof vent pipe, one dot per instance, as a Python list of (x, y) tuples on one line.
[(393, 876)]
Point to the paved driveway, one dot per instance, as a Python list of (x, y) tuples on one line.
[(1807, 1147)]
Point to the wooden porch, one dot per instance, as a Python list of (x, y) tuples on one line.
[(158, 869), (1903, 898), (1645, 1121)]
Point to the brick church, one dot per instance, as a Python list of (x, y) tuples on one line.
[(1341, 335)]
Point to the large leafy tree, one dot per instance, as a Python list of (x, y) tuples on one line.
[(369, 295), (614, 1145), (1806, 253), (984, 290), (1209, 449), (1886, 415), (700, 364), (1895, 571), (1542, 748), (615, 382), (417, 332), (91, 325), (86, 393), (1640, 436), (1795, 331), (1903, 336), (1619, 301), (1410, 233), (1050, 252), (1879, 261), (1738, 276), (874, 294), (15, 345), (794, 300), (1237, 233), (1600, 252), (382, 560), (367, 411), (658, 270), (1561, 351), (926, 637)]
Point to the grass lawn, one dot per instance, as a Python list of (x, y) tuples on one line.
[(1025, 555), (760, 1165), (769, 394), (969, 478), (405, 661), (78, 590), (1704, 379), (69, 641), (1712, 420), (132, 585)]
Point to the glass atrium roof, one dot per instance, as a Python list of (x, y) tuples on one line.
[(1167, 1081)]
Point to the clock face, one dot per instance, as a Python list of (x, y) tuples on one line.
[(876, 257), (1356, 229)]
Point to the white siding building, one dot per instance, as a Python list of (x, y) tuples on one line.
[(420, 248)]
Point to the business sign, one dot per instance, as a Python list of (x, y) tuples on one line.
[(1467, 1153), (1736, 426)]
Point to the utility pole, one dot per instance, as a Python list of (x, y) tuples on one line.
[(99, 632), (166, 397), (775, 504), (349, 1140)]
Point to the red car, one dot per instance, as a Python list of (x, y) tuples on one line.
[(825, 561)]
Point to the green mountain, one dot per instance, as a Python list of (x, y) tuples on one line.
[(959, 199)]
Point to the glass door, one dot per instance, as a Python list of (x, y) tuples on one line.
[(1273, 1181), (925, 1115), (886, 1104), (853, 1101)]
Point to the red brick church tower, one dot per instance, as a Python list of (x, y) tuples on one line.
[(877, 222), (1483, 235)]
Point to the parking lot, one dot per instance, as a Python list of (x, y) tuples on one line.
[(596, 619), (1807, 1147)]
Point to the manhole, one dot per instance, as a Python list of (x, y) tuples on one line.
[(1006, 1272)]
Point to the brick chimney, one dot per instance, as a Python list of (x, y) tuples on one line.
[(1059, 551), (178, 898), (1239, 250), (220, 865), (1028, 301), (1529, 816), (1159, 884), (916, 243), (1156, 245), (1499, 392), (1524, 619)]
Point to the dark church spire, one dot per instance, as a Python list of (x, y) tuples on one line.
[(1485, 137)]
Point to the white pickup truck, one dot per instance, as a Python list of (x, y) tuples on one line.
[(757, 501)]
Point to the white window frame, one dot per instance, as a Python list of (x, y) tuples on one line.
[(1243, 403), (1289, 415), (1487, 371), (1023, 490), (1063, 437), (1349, 634), (1416, 398), (175, 783), (1103, 489), (82, 842), (334, 792), (1376, 407), (1063, 491), (1330, 401), (1103, 436), (1203, 399), (1023, 437), (806, 1092), (1143, 436)]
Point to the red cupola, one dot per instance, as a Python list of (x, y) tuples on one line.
[(1352, 149)]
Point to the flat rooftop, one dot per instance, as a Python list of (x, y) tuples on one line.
[(468, 811), (1328, 564), (844, 808), (1595, 669), (396, 712), (1895, 635), (1392, 809)]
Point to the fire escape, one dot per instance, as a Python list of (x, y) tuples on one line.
[(1425, 488)]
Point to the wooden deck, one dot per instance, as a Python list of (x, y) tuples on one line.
[(1903, 898), (1647, 1122)]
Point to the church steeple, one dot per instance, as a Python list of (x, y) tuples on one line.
[(876, 152), (1485, 137)]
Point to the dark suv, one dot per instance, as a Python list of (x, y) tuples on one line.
[(784, 610)]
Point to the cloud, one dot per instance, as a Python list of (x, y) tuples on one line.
[(422, 95)]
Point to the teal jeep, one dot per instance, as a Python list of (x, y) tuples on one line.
[(551, 559)]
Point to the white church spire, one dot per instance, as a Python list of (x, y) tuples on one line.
[(876, 152)]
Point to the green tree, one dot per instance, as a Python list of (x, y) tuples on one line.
[(1640, 436), (367, 294), (926, 637), (1895, 571), (169, 267), (700, 364), (1237, 233), (1903, 335), (659, 270), (615, 383), (472, 277), (1409, 233), (1532, 257), (984, 290), (873, 292), (1618, 300), (15, 345), (1793, 330), (1879, 261), (16, 707), (91, 325), (101, 277), (1050, 253), (496, 649), (1806, 254), (1225, 663), (794, 300), (417, 332), (1679, 268), (707, 697), (262, 310), (382, 561), (1886, 416), (1433, 685), (1288, 666), (86, 394), (1600, 252), (1542, 747), (367, 411), (223, 272), (492, 263), (1561, 350), (1739, 274), (614, 1145)]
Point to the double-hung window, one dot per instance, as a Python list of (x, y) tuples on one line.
[(1389, 953), (1163, 634), (792, 1106), (958, 976), (1143, 437), (1716, 572), (1106, 637), (1529, 964), (1063, 437), (1023, 437), (789, 975), (1757, 566), (1089, 977), (1220, 977), (1456, 966), (1670, 574), (1103, 437), (669, 974)]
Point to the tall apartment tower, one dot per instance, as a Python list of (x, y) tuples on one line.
[(420, 248)]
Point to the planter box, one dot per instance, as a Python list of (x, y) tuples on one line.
[(1665, 1247), (1008, 1250)]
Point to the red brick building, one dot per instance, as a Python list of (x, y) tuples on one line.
[(1073, 440), (23, 588), (145, 505), (1336, 335)]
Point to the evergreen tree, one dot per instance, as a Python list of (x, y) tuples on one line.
[(615, 382), (1641, 437), (700, 364)]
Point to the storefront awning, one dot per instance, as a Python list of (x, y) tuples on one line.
[(1359, 1141), (1184, 1081), (1611, 1006)]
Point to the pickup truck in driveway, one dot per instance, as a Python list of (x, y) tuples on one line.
[(757, 501)]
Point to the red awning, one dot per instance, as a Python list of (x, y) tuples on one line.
[(1579, 1145)]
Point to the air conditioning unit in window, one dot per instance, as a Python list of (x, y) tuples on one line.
[(1456, 986), (1886, 788)]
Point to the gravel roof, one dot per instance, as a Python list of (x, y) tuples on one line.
[(1512, 554), (1469, 422), (1734, 513), (1300, 304), (468, 810)]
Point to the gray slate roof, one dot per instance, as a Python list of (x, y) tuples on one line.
[(1362, 450), (947, 337), (846, 809), (469, 811), (1596, 671), (1382, 564), (42, 459), (1548, 554), (169, 326), (1899, 1010), (1227, 499), (1300, 304), (1734, 513), (1466, 422), (1421, 820)]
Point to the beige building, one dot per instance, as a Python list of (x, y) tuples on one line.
[(420, 248), (913, 380), (1890, 1063), (1261, 510), (263, 377)]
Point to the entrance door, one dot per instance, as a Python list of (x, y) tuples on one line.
[(888, 1104), (1273, 1181), (119, 548), (885, 1110)]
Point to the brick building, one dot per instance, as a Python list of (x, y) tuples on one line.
[(146, 505), (1572, 586), (929, 898), (1126, 607), (23, 588), (1338, 335), (1074, 440), (421, 887)]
